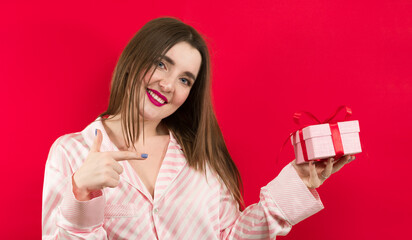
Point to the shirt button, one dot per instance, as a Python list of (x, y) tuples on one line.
[(155, 210)]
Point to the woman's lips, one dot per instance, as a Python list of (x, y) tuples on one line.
[(158, 94), (156, 98)]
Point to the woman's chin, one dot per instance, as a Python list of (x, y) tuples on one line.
[(151, 117)]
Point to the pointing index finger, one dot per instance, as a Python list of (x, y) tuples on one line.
[(127, 155)]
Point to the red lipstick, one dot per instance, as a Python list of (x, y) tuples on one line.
[(157, 95)]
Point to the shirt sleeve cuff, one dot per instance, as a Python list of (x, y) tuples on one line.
[(82, 214), (296, 201)]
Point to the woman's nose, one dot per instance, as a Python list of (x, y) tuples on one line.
[(166, 84)]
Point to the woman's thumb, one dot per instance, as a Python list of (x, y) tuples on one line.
[(97, 142)]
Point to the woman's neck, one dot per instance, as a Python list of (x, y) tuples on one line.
[(151, 129)]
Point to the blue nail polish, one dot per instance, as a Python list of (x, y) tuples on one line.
[(144, 155), (95, 132)]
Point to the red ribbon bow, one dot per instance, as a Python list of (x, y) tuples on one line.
[(334, 128)]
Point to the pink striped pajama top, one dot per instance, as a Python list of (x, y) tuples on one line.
[(186, 204)]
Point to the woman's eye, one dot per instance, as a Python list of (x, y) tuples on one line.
[(160, 65), (185, 81)]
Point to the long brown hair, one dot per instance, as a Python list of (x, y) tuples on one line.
[(194, 124)]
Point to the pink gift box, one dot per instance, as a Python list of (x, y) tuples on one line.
[(319, 143)]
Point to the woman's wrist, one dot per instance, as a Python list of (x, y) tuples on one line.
[(80, 194)]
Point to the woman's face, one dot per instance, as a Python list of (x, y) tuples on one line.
[(171, 82)]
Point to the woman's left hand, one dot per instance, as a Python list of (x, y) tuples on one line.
[(314, 174)]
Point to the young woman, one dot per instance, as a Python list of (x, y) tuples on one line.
[(155, 165)]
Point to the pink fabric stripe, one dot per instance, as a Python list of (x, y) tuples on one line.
[(174, 147), (164, 179), (173, 163), (169, 171)]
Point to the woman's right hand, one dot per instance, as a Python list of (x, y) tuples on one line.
[(100, 169)]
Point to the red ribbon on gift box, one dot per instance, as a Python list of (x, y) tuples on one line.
[(334, 128)]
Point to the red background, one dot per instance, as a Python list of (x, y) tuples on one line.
[(270, 59)]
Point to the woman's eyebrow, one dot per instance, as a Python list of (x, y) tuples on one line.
[(171, 62)]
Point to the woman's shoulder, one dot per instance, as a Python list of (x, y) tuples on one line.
[(69, 139), (68, 151), (76, 141)]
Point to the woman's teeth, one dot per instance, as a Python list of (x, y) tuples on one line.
[(156, 97)]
